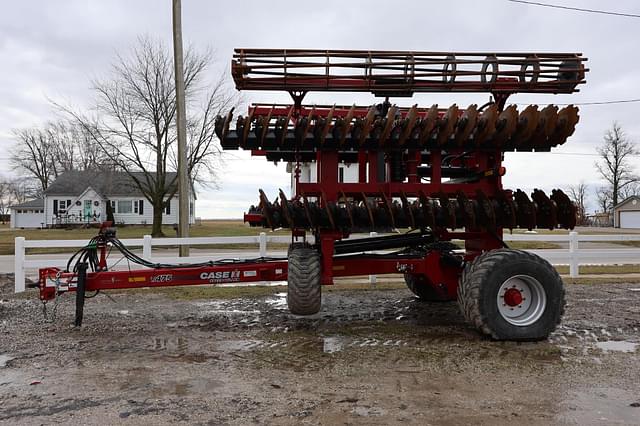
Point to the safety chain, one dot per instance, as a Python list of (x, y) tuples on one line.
[(52, 318)]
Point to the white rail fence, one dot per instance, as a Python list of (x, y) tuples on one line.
[(573, 256), (24, 262)]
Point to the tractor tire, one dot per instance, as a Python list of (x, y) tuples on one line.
[(419, 286), (297, 245), (304, 293), (511, 295)]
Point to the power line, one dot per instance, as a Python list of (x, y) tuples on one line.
[(619, 101), (555, 153), (578, 9), (574, 153), (588, 154)]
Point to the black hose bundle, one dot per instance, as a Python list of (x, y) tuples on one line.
[(87, 254), (134, 258)]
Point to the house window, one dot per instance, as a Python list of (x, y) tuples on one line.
[(61, 206), (138, 207), (167, 207), (125, 206)]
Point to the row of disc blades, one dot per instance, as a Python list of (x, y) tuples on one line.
[(366, 213), (471, 128)]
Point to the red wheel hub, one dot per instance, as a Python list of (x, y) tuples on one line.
[(513, 297)]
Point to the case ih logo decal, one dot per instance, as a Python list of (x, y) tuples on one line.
[(164, 278), (218, 277)]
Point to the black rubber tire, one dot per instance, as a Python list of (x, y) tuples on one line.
[(304, 292), (422, 289), (481, 280)]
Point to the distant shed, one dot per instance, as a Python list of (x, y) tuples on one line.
[(626, 214), (28, 215)]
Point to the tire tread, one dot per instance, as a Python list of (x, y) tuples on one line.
[(304, 292)]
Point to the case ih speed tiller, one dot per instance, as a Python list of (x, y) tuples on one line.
[(435, 172)]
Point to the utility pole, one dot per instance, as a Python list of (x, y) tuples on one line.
[(183, 175)]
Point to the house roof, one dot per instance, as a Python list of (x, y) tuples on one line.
[(106, 183), (37, 203), (627, 200)]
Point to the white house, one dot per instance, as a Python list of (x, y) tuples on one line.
[(347, 173), (80, 197)]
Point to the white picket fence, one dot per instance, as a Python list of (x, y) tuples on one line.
[(573, 256)]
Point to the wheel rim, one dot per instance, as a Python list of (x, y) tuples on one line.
[(521, 300)]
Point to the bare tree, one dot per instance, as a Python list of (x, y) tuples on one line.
[(12, 192), (605, 199), (33, 156), (5, 200), (616, 165), (22, 190), (43, 153), (578, 194), (135, 118), (75, 148), (630, 190)]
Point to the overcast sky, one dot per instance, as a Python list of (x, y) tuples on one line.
[(52, 49)]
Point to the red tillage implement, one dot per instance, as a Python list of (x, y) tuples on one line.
[(434, 172)]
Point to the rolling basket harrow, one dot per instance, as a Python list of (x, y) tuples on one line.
[(435, 172)]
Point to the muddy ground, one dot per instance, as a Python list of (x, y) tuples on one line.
[(370, 357)]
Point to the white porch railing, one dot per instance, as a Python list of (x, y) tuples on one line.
[(573, 256)]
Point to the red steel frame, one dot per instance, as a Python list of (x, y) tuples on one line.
[(54, 280)]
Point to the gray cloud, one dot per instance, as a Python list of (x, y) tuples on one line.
[(53, 49)]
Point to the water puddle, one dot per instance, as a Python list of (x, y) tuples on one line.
[(598, 405), (332, 344), (241, 345), (226, 308), (279, 300), (364, 411), (325, 344), (170, 344), (617, 346), (582, 342), (4, 359)]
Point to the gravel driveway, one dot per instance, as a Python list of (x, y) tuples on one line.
[(370, 357)]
